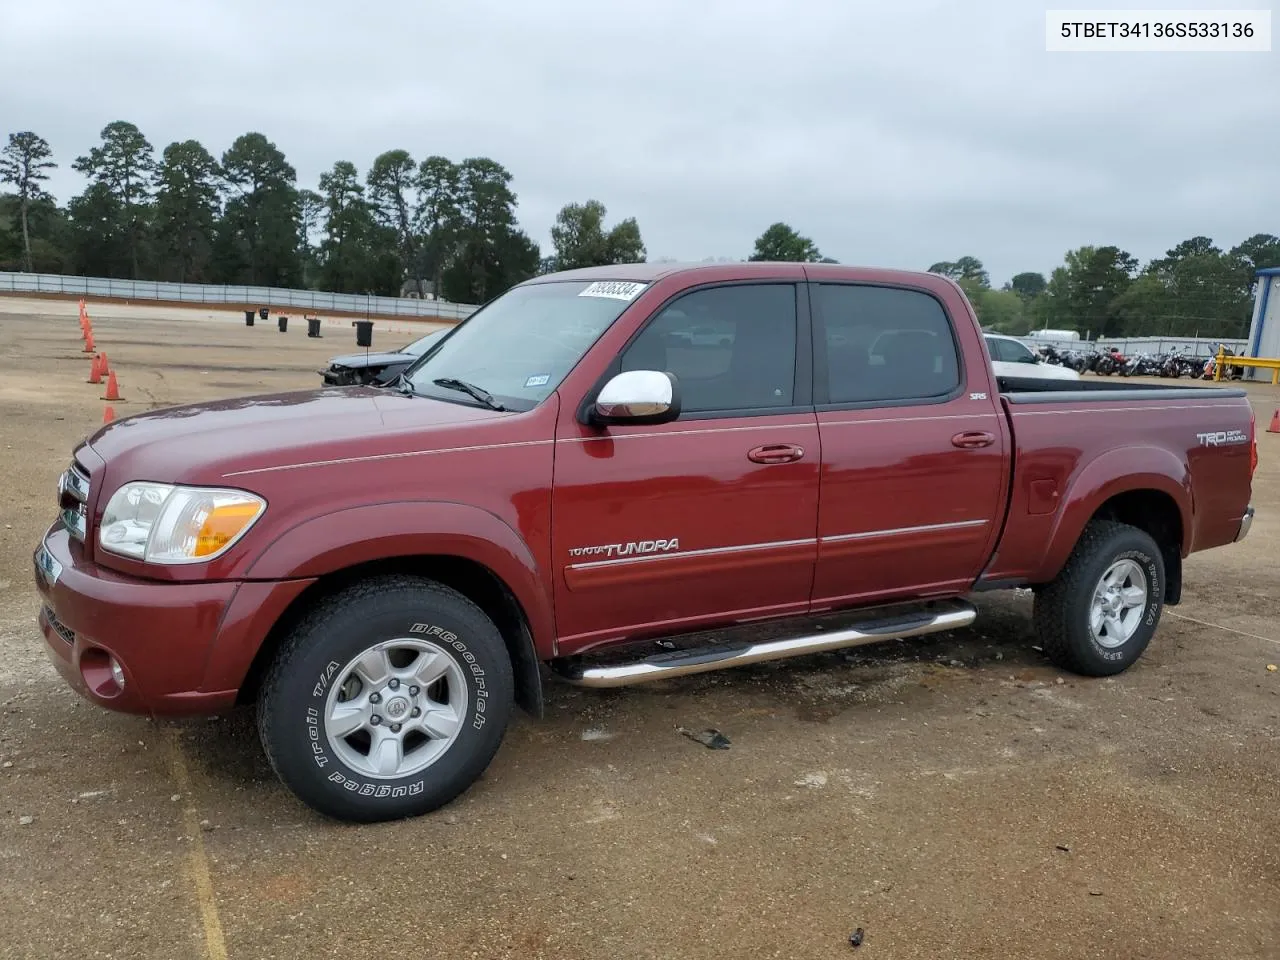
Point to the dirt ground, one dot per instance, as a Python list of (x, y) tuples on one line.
[(954, 796)]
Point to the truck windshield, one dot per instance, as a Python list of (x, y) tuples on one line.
[(519, 346)]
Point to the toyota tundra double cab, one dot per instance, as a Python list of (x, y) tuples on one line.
[(574, 474)]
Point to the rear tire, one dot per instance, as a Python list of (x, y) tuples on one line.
[(387, 700), (1098, 616)]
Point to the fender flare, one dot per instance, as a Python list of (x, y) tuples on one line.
[(1110, 474), (351, 536)]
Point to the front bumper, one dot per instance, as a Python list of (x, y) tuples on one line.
[(1245, 523), (335, 377), (184, 648)]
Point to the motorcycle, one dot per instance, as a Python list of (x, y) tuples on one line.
[(1141, 365), (1049, 354), (1113, 361), (1078, 360), (1173, 364)]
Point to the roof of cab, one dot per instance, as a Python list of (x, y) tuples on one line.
[(650, 272)]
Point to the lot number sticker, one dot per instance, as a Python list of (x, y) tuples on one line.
[(538, 381), (613, 290)]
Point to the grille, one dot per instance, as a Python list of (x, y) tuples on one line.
[(73, 495), (60, 628)]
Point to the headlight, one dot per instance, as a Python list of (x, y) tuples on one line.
[(162, 523)]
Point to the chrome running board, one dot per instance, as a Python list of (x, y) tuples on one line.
[(949, 615)]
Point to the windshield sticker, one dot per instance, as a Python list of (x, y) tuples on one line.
[(539, 381), (614, 289)]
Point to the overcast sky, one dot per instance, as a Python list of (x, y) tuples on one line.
[(896, 133)]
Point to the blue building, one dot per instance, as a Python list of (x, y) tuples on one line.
[(1264, 331)]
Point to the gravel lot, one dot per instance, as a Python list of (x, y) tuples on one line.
[(954, 796)]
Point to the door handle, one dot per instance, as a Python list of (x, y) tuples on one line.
[(776, 453), (973, 439)]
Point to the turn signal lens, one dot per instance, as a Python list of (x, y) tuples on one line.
[(223, 524)]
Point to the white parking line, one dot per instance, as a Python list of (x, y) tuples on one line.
[(1218, 626), (214, 942)]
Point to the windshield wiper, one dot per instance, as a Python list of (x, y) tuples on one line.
[(484, 396)]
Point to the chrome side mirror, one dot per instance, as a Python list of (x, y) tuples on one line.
[(640, 397)]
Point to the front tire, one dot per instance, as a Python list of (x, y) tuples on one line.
[(387, 700), (1098, 616)]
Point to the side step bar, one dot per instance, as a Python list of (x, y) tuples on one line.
[(950, 615)]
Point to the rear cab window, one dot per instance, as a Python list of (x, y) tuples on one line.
[(882, 344)]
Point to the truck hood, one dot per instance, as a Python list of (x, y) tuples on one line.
[(358, 361), (203, 442)]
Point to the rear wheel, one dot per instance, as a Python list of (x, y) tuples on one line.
[(388, 700), (1097, 617)]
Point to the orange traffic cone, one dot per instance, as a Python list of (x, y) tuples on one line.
[(1275, 423), (102, 362), (108, 415), (88, 342), (95, 369), (113, 389)]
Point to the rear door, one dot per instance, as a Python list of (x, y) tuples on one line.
[(913, 461), (708, 520)]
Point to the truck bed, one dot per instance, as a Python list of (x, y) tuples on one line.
[(1044, 390), (1078, 444)]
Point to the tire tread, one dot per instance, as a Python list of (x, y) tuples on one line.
[(1052, 613), (269, 700)]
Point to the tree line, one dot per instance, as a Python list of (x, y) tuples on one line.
[(242, 218), (1196, 289), (450, 227)]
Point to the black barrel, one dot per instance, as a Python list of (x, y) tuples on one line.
[(364, 332), (248, 318), (264, 312), (283, 324), (313, 326)]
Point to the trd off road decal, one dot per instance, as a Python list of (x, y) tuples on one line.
[(1222, 438)]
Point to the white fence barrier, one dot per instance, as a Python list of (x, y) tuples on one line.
[(316, 301), (313, 301), (1188, 346)]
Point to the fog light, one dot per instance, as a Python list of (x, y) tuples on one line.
[(117, 673)]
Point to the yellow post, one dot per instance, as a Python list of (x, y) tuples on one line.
[(1217, 361)]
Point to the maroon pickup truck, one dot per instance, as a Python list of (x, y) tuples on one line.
[(745, 462)]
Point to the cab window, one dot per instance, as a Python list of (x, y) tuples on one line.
[(732, 348), (885, 344)]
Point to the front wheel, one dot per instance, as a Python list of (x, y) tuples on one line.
[(388, 700), (1097, 617)]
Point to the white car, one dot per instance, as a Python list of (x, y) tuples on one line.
[(1010, 357)]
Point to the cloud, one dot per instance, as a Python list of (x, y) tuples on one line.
[(895, 135)]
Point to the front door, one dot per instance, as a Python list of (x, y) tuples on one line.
[(708, 520), (913, 464)]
